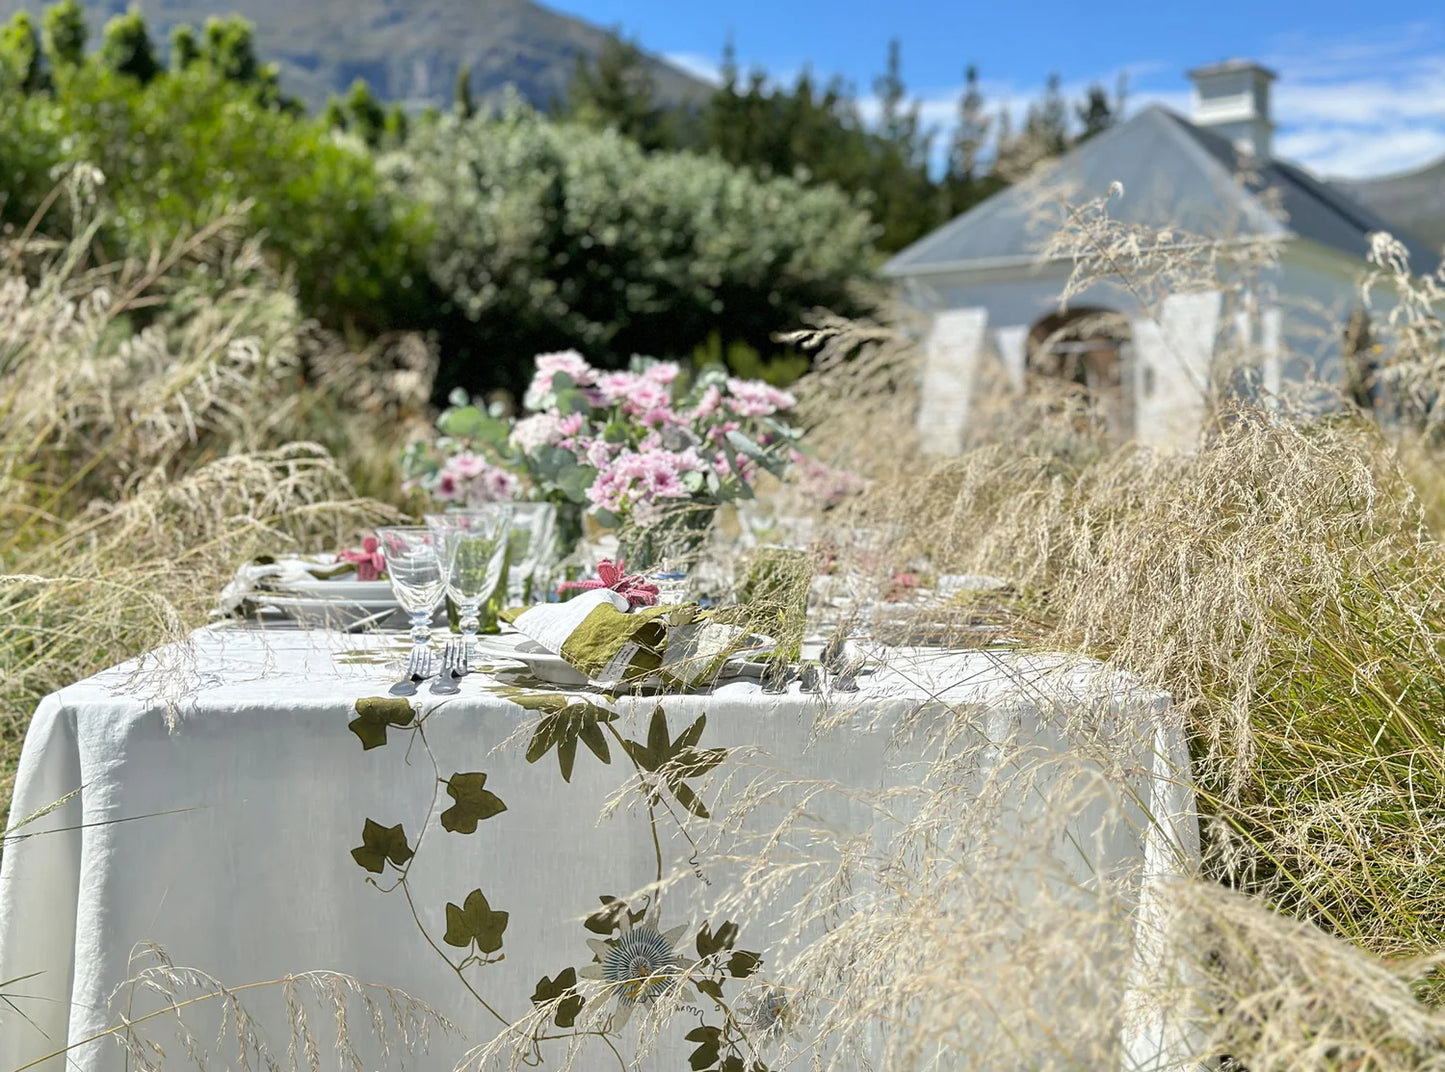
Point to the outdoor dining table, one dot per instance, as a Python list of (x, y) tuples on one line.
[(251, 804)]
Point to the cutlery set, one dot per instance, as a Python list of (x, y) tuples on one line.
[(455, 665), (837, 670)]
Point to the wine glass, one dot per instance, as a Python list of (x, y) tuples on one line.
[(474, 545), (415, 568), (533, 543)]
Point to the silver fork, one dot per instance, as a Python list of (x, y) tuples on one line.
[(420, 666), (454, 668)]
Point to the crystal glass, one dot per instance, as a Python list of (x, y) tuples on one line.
[(473, 544), (533, 546), (414, 564)]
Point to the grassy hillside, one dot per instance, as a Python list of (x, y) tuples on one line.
[(1414, 201), (408, 50)]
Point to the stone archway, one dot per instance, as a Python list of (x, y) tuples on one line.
[(1092, 348)]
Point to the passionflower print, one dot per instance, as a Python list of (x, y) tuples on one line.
[(768, 1015), (638, 965)]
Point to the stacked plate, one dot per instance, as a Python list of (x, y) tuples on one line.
[(336, 604)]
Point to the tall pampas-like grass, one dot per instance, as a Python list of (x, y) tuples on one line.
[(158, 424)]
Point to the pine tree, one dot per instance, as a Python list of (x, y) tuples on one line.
[(396, 128), (971, 133), (231, 49), (1095, 113), (899, 123), (463, 103), (126, 47), (333, 116), (1052, 126), (365, 116), (616, 89), (20, 57), (185, 47), (65, 34)]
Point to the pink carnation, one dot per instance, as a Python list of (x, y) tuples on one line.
[(616, 386), (470, 478), (664, 372), (635, 477), (538, 430), (548, 365), (707, 405), (467, 466), (752, 398)]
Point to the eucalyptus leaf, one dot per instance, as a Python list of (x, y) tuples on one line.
[(575, 481)]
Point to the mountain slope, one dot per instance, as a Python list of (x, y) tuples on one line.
[(408, 50), (1414, 201)]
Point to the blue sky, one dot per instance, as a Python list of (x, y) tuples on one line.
[(1361, 89)]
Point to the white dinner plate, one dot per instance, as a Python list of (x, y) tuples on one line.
[(334, 613), (544, 665), (552, 668), (342, 588)]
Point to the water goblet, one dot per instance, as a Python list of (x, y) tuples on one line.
[(533, 545), (413, 563), (473, 544)]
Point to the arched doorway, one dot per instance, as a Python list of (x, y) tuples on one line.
[(1091, 348)]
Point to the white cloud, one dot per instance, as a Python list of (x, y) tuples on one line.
[(1370, 105), (703, 68)]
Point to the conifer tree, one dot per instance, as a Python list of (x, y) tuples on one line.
[(126, 47), (462, 97), (65, 34), (185, 47), (20, 57)]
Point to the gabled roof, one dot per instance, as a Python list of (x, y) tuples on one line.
[(1174, 175)]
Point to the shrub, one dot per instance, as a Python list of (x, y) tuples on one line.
[(552, 235), (193, 143)]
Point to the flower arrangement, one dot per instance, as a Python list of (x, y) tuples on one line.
[(648, 451)]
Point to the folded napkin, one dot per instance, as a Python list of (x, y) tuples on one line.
[(252, 577), (612, 643)]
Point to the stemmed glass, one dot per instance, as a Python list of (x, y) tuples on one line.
[(414, 565), (533, 542), (473, 544)]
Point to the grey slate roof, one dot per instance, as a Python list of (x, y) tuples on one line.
[(1174, 174)]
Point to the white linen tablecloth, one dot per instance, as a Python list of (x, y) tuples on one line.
[(216, 792)]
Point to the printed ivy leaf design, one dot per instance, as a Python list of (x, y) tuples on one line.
[(564, 987), (374, 714), (473, 803), (379, 844), (709, 943), (563, 728), (475, 921), (706, 1055), (676, 760), (608, 918), (742, 964)]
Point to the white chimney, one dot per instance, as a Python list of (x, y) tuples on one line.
[(1232, 99)]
